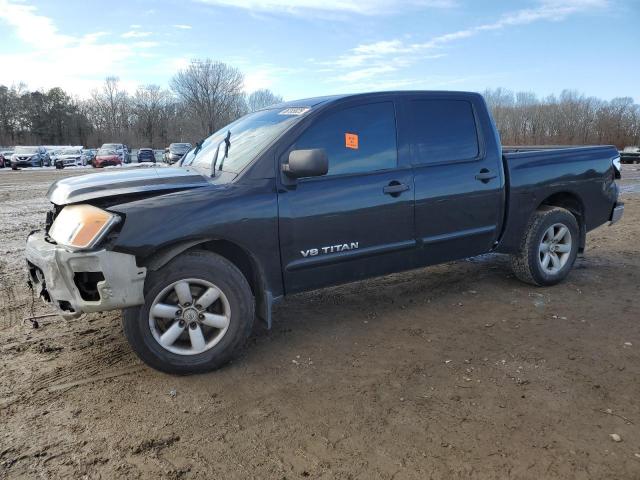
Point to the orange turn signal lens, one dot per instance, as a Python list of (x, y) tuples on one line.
[(81, 226)]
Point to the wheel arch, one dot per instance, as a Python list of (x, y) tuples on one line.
[(572, 202), (233, 252)]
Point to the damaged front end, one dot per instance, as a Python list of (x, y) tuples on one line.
[(79, 282), (70, 263)]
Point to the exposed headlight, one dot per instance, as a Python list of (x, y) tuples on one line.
[(81, 226)]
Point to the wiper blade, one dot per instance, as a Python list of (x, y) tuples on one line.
[(227, 145), (198, 148)]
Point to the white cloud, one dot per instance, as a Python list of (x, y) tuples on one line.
[(372, 60), (182, 26), (362, 7), (77, 63), (135, 34)]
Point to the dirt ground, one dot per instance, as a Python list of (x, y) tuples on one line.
[(454, 371)]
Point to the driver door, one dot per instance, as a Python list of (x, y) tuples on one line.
[(356, 221)]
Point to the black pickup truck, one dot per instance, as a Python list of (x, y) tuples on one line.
[(304, 195)]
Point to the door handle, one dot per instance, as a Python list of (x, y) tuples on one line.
[(485, 175), (395, 188)]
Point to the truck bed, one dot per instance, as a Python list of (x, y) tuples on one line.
[(577, 176)]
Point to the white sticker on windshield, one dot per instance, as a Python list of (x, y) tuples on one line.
[(294, 111)]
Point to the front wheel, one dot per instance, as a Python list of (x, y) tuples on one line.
[(549, 247), (198, 313)]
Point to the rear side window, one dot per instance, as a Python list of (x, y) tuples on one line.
[(356, 139), (442, 131)]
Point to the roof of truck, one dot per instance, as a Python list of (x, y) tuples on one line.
[(314, 101)]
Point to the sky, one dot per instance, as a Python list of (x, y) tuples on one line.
[(304, 48)]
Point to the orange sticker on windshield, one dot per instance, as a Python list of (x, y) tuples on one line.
[(351, 140)]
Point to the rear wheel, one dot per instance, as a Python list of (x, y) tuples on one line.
[(198, 313), (549, 247)]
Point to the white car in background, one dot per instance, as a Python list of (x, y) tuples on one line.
[(70, 157)]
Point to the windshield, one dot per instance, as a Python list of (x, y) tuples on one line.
[(71, 152), (249, 136), (631, 149), (106, 151), (179, 147), (26, 150), (111, 146)]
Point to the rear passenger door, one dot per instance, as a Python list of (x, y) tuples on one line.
[(458, 180), (357, 220)]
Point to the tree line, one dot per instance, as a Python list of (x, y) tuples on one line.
[(568, 119), (206, 95), (201, 98)]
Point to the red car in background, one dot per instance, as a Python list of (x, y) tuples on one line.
[(105, 157)]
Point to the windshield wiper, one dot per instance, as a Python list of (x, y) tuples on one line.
[(227, 145), (198, 148)]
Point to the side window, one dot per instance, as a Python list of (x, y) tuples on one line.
[(441, 131), (356, 139)]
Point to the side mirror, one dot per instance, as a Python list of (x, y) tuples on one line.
[(166, 150), (307, 163)]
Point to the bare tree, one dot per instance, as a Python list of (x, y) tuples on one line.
[(211, 92), (110, 109), (262, 98), (148, 107), (567, 119)]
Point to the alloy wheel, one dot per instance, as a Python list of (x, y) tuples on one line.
[(189, 316)]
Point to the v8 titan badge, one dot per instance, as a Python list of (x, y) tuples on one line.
[(351, 140)]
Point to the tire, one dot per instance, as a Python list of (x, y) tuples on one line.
[(235, 302), (537, 244)]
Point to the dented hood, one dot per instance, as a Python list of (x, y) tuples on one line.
[(123, 182)]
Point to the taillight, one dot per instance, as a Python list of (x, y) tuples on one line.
[(617, 167)]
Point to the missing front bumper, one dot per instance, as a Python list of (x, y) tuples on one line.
[(83, 282)]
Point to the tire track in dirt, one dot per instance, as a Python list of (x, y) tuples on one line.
[(103, 363), (8, 302), (86, 364)]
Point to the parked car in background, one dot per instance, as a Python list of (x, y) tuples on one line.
[(5, 158), (106, 157), (54, 150), (176, 151), (630, 155), (29, 157), (90, 154), (70, 157), (120, 148), (146, 155)]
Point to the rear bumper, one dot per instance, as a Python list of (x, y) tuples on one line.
[(616, 213), (56, 275)]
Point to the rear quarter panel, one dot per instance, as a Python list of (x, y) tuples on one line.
[(534, 176)]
